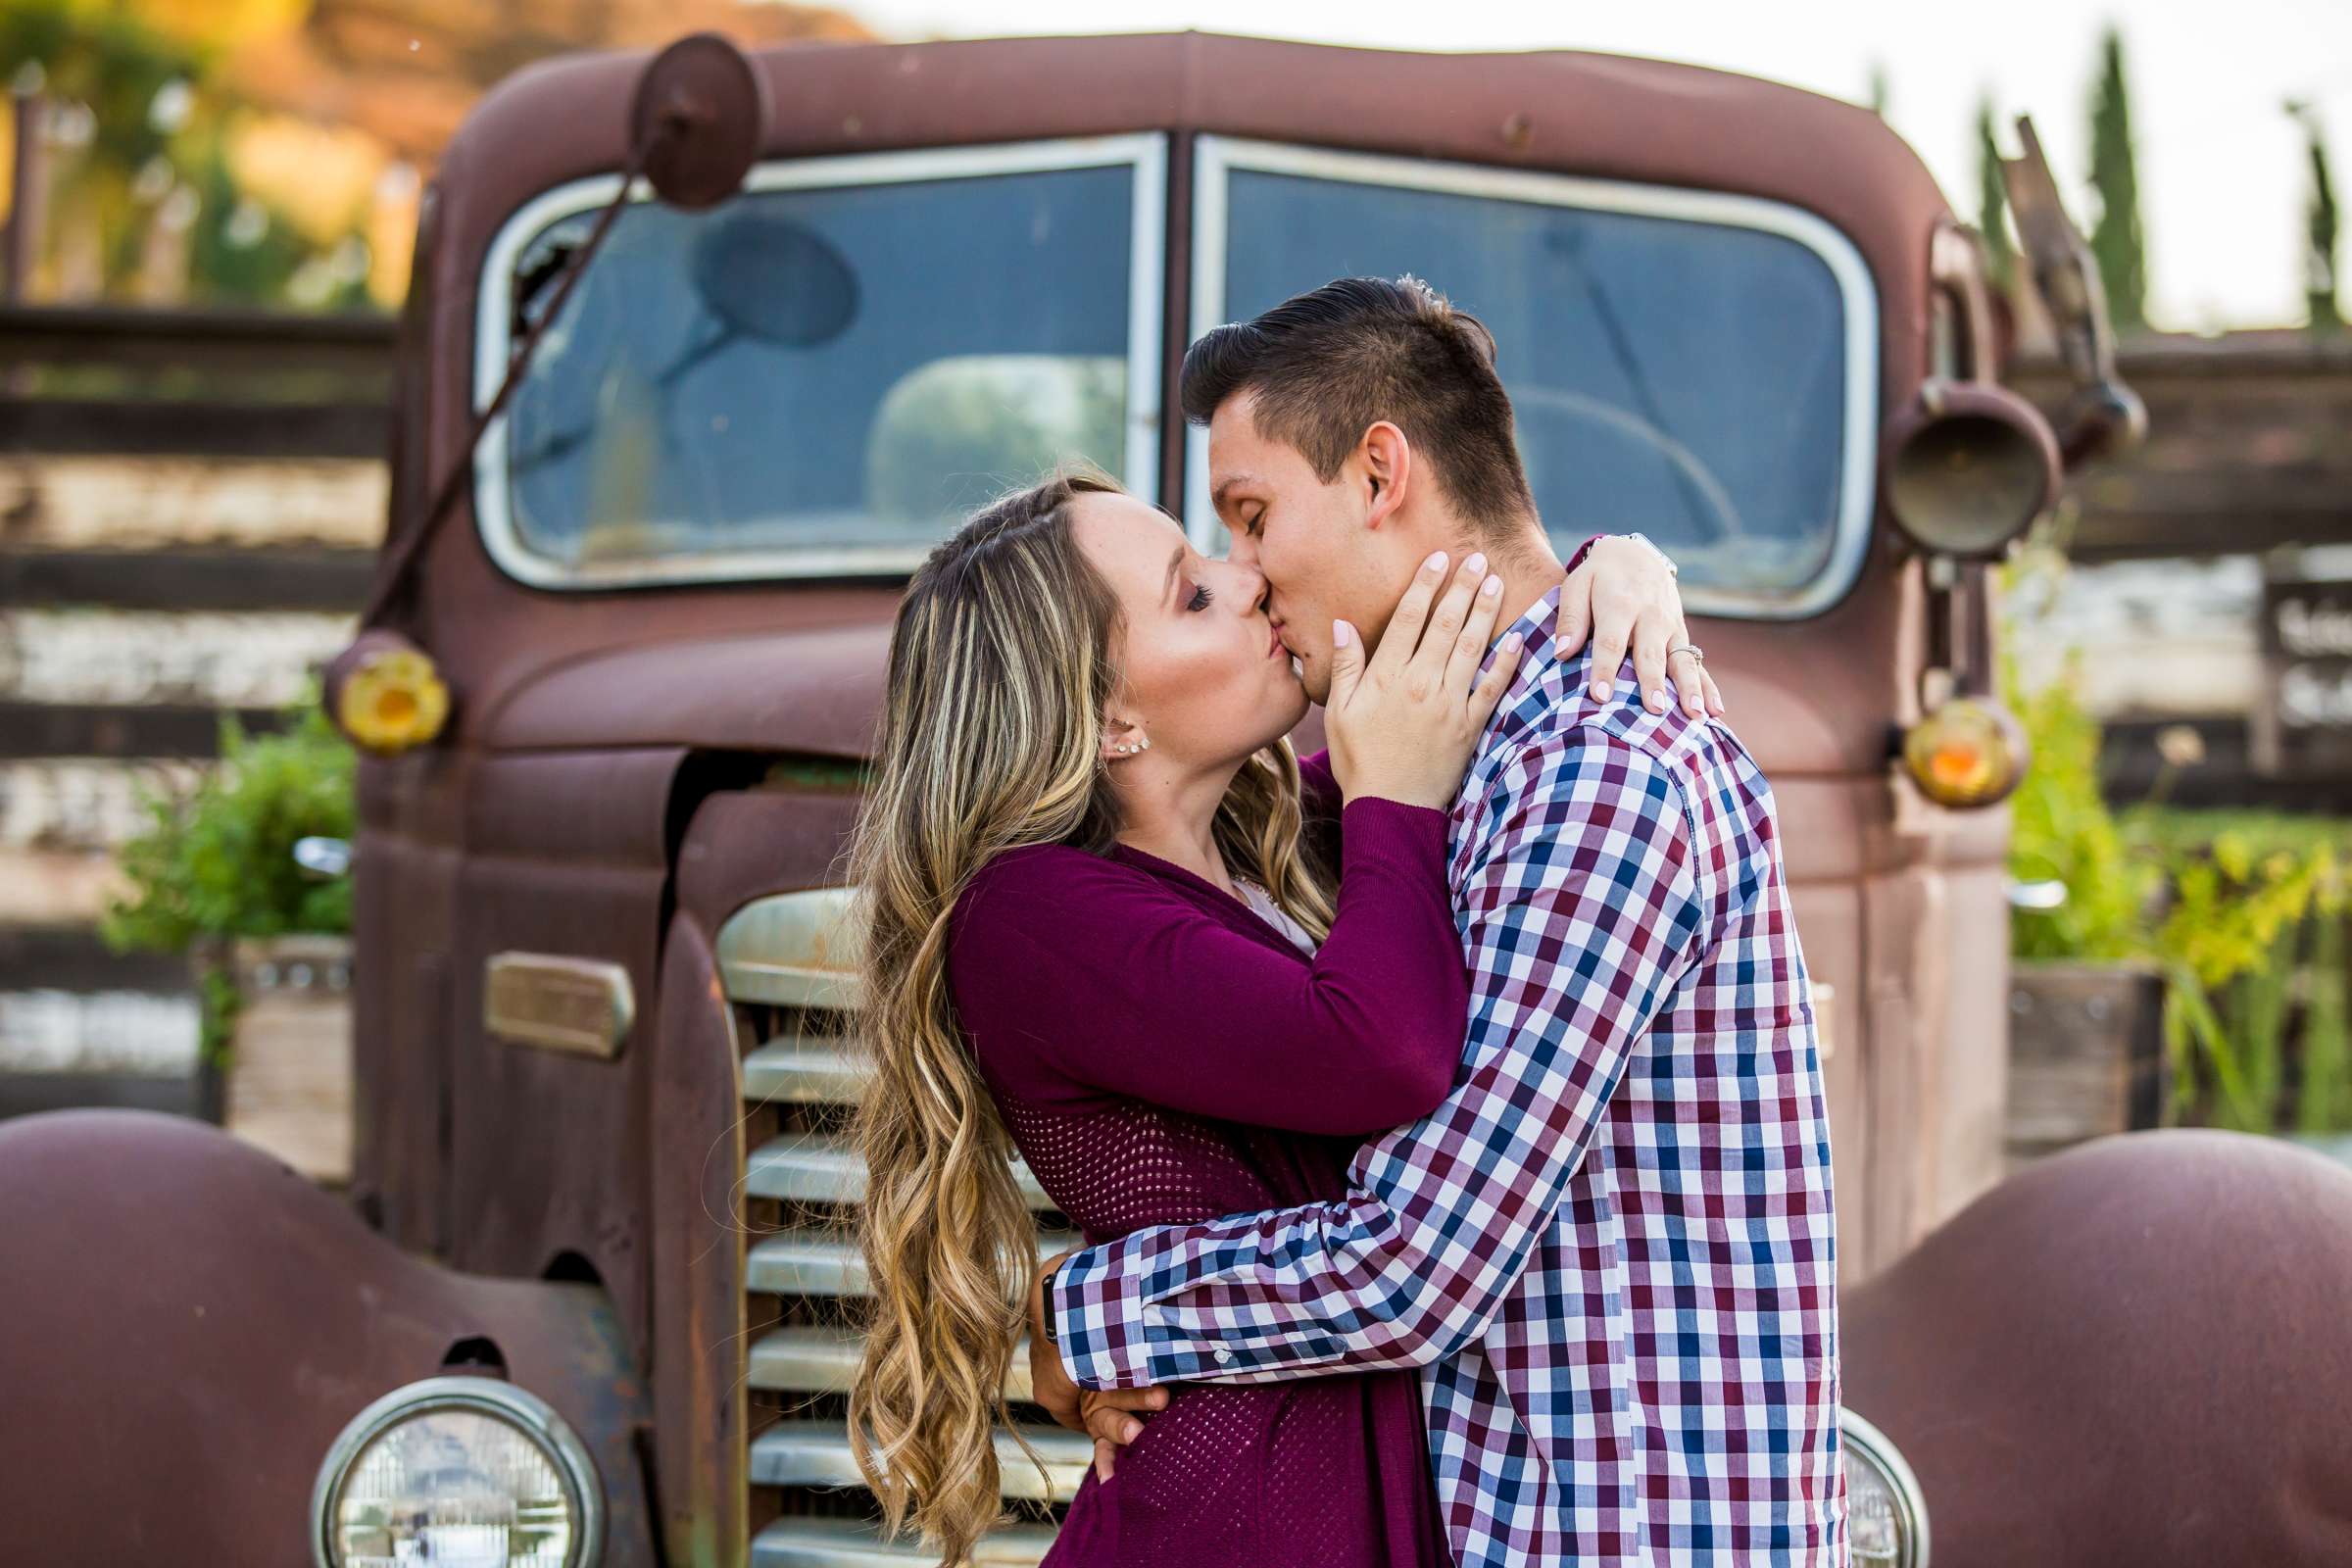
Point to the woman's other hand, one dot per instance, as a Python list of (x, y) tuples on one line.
[(1620, 596), (1403, 723)]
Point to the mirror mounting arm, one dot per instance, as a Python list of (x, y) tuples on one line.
[(697, 122), (2105, 416), (395, 574)]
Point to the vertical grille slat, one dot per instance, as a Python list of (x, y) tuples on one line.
[(788, 963)]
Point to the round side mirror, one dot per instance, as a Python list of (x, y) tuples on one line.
[(774, 280), (1967, 467), (699, 120)]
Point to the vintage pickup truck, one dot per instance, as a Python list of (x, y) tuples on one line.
[(701, 355)]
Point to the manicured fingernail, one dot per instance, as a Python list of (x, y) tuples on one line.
[(1692, 706), (1490, 588), (1434, 562), (1657, 702), (1510, 644), (1131, 1431), (1339, 634), (1476, 564), (1602, 690)]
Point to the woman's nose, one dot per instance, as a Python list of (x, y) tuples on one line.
[(1248, 585)]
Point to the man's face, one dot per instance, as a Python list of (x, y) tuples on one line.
[(1306, 537)]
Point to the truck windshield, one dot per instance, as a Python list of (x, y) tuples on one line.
[(1699, 368), (822, 374)]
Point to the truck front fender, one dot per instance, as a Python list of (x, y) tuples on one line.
[(2135, 1352), (189, 1325)]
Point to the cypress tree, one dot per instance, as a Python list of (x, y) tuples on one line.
[(2117, 239), (1992, 200), (2319, 229)]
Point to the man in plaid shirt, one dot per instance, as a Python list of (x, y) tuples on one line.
[(1611, 1248)]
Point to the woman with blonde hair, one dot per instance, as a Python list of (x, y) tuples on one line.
[(1113, 921)]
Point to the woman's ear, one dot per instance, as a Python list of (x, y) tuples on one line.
[(1387, 463)]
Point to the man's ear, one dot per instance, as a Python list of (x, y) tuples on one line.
[(1386, 457)]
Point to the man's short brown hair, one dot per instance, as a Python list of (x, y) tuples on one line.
[(1328, 365)]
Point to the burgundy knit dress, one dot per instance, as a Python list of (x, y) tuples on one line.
[(1164, 1055)]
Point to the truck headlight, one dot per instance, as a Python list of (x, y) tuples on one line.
[(457, 1470), (1886, 1517)]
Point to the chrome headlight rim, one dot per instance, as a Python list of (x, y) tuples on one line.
[(491, 1397), (1910, 1502)]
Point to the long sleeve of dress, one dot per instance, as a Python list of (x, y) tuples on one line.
[(1073, 973)]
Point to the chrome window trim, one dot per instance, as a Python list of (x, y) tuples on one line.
[(1147, 153), (1215, 158)]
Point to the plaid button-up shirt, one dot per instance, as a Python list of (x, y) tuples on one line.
[(1610, 1249)]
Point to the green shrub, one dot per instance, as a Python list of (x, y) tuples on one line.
[(2241, 911), (216, 861)]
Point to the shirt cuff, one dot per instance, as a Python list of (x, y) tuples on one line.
[(1115, 1330), (1584, 550)]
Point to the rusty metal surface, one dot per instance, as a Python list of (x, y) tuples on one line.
[(2133, 1352), (812, 685), (549, 1154), (190, 1324), (747, 844), (404, 931), (695, 1106)]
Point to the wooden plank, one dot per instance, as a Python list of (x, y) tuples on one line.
[(131, 503), (49, 886), (311, 577), (159, 427), (2133, 767), (202, 658), (2087, 1055), (217, 340), (72, 958), (2245, 451), (28, 1094), (161, 729)]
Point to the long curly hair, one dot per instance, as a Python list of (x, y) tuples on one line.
[(1002, 667)]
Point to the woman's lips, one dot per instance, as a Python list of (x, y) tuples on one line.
[(1277, 648)]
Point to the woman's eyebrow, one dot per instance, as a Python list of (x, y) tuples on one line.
[(1175, 560)]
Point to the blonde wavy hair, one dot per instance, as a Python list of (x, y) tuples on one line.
[(1002, 667)]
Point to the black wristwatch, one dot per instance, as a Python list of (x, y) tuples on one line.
[(1044, 1302)]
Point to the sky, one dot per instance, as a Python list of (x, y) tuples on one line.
[(2223, 172)]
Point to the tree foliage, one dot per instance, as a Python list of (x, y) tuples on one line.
[(1993, 201), (2320, 228), (2115, 238)]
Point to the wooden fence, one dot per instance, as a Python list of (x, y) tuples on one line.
[(189, 510)]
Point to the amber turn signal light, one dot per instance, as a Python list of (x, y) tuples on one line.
[(385, 694), (1968, 753)]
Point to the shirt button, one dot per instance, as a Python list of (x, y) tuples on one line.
[(1223, 1355)]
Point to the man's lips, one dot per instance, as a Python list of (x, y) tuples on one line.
[(1278, 647)]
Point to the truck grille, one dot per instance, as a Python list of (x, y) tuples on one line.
[(788, 964)]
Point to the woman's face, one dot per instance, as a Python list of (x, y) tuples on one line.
[(1205, 678)]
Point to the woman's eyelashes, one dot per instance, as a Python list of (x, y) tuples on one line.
[(1202, 598)]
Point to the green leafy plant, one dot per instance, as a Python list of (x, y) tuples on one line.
[(2241, 911), (216, 861)]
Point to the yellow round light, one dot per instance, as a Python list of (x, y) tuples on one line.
[(1966, 753), (393, 700)]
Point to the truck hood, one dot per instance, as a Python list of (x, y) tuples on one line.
[(818, 691), (809, 690)]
